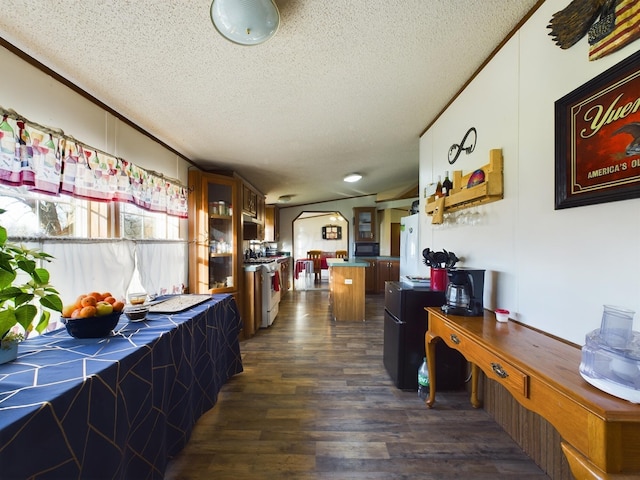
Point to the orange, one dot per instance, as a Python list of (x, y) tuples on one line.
[(87, 312), (96, 295), (110, 299), (118, 306), (79, 299), (89, 301)]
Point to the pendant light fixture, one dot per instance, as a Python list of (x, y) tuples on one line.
[(245, 22)]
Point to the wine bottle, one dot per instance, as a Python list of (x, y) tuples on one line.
[(447, 186), (439, 187)]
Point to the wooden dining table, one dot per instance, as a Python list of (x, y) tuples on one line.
[(302, 265)]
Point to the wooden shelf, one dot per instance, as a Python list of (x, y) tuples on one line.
[(461, 197)]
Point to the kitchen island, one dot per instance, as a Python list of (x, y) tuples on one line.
[(346, 289)]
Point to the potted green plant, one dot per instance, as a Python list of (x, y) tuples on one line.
[(24, 293)]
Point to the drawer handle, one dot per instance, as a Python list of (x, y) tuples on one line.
[(497, 368), (455, 339)]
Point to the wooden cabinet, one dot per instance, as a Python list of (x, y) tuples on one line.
[(271, 227), (387, 271), (249, 201), (365, 224), (253, 203), (214, 244), (253, 213), (253, 303), (346, 287), (371, 275)]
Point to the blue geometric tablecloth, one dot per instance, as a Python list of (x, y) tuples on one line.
[(117, 407)]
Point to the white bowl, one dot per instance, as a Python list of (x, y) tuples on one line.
[(502, 315)]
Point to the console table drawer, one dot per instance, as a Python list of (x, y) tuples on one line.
[(501, 371), (494, 367)]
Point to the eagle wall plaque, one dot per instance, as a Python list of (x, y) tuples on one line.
[(597, 138), (609, 24)]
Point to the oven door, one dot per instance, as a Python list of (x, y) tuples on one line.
[(270, 296)]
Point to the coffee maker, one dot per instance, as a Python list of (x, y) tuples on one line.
[(464, 292)]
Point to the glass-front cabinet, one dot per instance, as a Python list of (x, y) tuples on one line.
[(213, 232), (365, 224)]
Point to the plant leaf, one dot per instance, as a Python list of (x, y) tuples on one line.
[(25, 315), (9, 293), (7, 321), (6, 277), (28, 266), (44, 322), (41, 276), (52, 302)]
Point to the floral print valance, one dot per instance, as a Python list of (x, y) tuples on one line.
[(50, 162)]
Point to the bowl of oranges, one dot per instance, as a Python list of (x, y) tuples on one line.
[(92, 315)]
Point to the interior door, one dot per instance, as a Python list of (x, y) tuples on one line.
[(395, 239)]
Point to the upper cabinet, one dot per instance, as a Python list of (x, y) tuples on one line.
[(253, 213), (253, 203), (365, 224), (271, 227), (249, 201), (214, 223)]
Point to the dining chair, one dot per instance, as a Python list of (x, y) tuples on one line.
[(316, 256)]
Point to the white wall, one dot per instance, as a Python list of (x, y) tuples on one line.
[(309, 235), (553, 268), (43, 100)]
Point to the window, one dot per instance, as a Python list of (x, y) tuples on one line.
[(332, 232), (137, 223), (30, 214)]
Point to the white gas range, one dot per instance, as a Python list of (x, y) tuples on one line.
[(269, 269)]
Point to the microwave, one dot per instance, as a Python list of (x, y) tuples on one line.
[(366, 249)]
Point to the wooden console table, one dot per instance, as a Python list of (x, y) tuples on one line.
[(601, 433)]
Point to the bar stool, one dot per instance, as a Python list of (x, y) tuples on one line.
[(308, 273), (341, 254)]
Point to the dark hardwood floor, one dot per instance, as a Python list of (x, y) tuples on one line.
[(315, 402)]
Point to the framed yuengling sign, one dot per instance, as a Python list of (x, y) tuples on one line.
[(597, 138)]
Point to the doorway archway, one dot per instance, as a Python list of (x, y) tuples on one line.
[(327, 231)]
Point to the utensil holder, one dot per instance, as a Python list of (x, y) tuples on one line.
[(439, 279)]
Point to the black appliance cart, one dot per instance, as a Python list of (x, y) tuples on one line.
[(405, 323)]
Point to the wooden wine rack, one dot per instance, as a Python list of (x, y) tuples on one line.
[(461, 197)]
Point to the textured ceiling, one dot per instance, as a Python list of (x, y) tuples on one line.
[(344, 86)]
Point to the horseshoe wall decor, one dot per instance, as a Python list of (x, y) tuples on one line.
[(456, 149)]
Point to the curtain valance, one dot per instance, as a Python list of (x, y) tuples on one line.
[(51, 162)]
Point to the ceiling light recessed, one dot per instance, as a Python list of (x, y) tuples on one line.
[(352, 177), (247, 22)]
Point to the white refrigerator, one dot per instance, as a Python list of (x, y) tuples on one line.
[(410, 253)]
